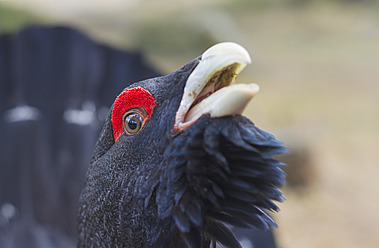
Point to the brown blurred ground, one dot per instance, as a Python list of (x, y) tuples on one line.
[(317, 65)]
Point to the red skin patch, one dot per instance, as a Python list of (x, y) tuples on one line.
[(130, 98)]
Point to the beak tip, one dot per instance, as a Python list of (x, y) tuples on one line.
[(227, 48)]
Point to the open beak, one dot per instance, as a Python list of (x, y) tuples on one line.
[(210, 88)]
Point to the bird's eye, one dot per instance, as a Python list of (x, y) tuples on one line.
[(134, 119), (136, 101)]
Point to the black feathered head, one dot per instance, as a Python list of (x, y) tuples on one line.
[(176, 164)]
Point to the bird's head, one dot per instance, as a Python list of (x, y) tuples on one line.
[(176, 163)]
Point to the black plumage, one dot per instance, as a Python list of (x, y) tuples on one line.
[(162, 188)]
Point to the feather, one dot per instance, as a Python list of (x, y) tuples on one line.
[(222, 234), (193, 238), (228, 218), (195, 213), (182, 221)]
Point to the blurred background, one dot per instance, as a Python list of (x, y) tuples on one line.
[(317, 65)]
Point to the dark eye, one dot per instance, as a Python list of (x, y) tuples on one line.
[(133, 121)]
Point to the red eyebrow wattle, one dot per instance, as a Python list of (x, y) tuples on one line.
[(130, 98)]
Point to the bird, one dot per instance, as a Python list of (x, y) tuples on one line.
[(56, 131), (178, 165)]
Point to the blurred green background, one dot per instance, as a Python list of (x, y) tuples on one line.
[(317, 65)]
